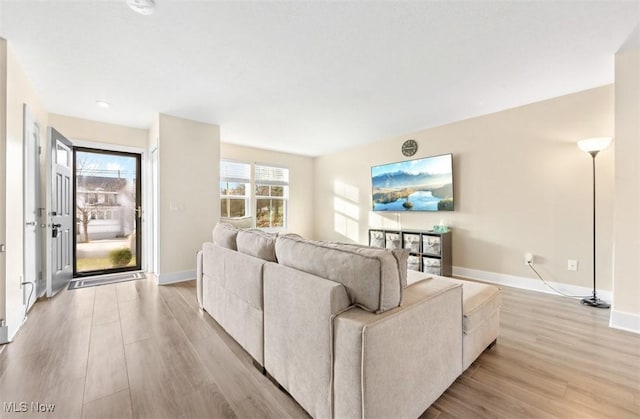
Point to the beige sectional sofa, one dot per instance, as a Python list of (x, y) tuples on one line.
[(345, 329)]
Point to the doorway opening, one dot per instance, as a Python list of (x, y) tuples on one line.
[(107, 212)]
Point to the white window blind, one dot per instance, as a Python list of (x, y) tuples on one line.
[(235, 172), (269, 175)]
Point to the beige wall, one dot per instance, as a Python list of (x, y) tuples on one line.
[(300, 216), (627, 185), (99, 132), (520, 185), (19, 91), (189, 195)]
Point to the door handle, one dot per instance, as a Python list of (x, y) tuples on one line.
[(54, 230), (56, 225)]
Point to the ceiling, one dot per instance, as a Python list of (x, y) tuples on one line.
[(312, 77)]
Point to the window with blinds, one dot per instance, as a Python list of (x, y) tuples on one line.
[(272, 194), (235, 184)]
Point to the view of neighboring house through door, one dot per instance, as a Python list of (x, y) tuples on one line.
[(107, 211)]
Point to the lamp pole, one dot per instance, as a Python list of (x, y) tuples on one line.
[(593, 147)]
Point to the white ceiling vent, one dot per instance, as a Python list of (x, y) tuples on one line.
[(144, 7)]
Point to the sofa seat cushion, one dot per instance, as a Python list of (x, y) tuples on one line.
[(479, 301), (258, 244), (371, 276)]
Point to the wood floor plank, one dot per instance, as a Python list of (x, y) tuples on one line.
[(162, 372), (526, 371), (501, 404), (188, 292), (145, 318), (217, 358), (106, 366), (106, 305), (190, 320), (554, 404), (207, 402), (114, 406), (458, 408), (127, 291), (554, 358), (601, 403)]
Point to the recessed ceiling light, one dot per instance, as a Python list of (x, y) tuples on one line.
[(102, 104), (144, 7)]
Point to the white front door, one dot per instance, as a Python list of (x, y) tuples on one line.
[(59, 187), (32, 249)]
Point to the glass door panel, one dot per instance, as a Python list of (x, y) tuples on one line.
[(107, 211)]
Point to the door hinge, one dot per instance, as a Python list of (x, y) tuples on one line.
[(39, 150)]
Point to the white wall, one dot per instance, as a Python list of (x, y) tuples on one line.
[(189, 193), (300, 216), (626, 302), (19, 91), (520, 185)]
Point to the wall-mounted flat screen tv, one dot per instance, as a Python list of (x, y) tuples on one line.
[(414, 185)]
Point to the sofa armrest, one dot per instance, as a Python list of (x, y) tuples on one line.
[(398, 363), (298, 312)]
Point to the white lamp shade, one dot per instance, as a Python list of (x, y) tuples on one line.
[(144, 7), (594, 144)]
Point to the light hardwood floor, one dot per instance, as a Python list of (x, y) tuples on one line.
[(135, 349)]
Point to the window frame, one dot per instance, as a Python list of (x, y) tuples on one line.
[(284, 198), (251, 196), (238, 180), (246, 198)]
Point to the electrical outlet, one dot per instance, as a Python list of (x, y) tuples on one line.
[(528, 258), (572, 265)]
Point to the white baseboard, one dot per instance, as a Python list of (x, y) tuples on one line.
[(12, 325), (173, 277), (4, 334), (529, 284), (625, 321)]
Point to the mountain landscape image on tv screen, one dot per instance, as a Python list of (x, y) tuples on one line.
[(415, 185)]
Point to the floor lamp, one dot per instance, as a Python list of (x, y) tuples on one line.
[(593, 146)]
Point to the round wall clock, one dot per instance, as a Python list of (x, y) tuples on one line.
[(409, 148)]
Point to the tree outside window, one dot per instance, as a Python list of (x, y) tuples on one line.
[(271, 196), (233, 199), (267, 192)]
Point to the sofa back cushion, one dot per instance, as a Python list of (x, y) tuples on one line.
[(401, 255), (224, 235), (371, 276), (258, 244)]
